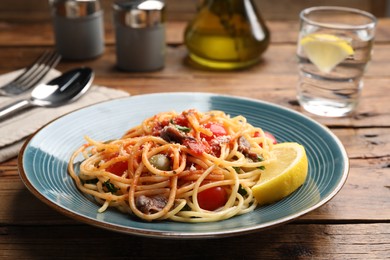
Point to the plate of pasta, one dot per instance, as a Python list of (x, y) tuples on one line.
[(178, 164)]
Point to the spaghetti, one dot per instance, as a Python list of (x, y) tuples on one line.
[(187, 167)]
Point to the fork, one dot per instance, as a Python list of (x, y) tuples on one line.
[(32, 74)]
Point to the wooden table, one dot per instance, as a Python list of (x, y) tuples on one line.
[(354, 224)]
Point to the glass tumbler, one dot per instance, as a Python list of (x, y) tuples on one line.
[(334, 47)]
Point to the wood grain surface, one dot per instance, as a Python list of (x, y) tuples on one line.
[(355, 224)]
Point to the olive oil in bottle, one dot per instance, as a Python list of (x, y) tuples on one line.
[(226, 35)]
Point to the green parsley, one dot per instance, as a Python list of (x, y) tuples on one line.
[(237, 169), (242, 191), (183, 128), (110, 187), (180, 128), (260, 159)]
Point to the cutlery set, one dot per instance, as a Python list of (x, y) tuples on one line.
[(64, 89), (32, 75)]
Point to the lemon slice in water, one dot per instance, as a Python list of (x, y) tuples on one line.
[(282, 176), (326, 50)]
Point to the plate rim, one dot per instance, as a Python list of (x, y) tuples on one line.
[(175, 234)]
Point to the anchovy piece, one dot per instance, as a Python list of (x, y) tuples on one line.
[(150, 205)]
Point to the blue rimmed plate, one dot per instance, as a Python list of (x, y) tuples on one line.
[(44, 157)]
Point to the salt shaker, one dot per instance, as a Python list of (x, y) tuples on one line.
[(78, 28), (140, 34)]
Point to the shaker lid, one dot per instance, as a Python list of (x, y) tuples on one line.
[(75, 8), (139, 13)]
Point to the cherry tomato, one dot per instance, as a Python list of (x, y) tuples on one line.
[(212, 198), (217, 130), (271, 136), (268, 135), (118, 168)]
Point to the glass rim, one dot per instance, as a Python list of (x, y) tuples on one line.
[(305, 12)]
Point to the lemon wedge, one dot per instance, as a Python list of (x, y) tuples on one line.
[(325, 50), (282, 176)]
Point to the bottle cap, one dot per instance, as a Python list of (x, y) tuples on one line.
[(139, 13), (75, 8)]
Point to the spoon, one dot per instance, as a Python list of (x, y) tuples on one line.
[(59, 91)]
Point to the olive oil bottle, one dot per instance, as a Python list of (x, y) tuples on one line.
[(226, 35)]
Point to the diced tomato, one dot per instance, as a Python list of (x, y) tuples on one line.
[(158, 126), (118, 168), (196, 146), (268, 135), (181, 120), (217, 130), (212, 198), (216, 149)]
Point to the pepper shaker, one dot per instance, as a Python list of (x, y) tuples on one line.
[(78, 28), (140, 34)]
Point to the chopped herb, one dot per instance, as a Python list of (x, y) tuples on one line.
[(237, 169), (110, 187), (242, 191), (180, 127), (260, 158), (183, 128)]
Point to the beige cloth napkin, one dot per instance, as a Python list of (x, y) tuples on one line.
[(16, 129)]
